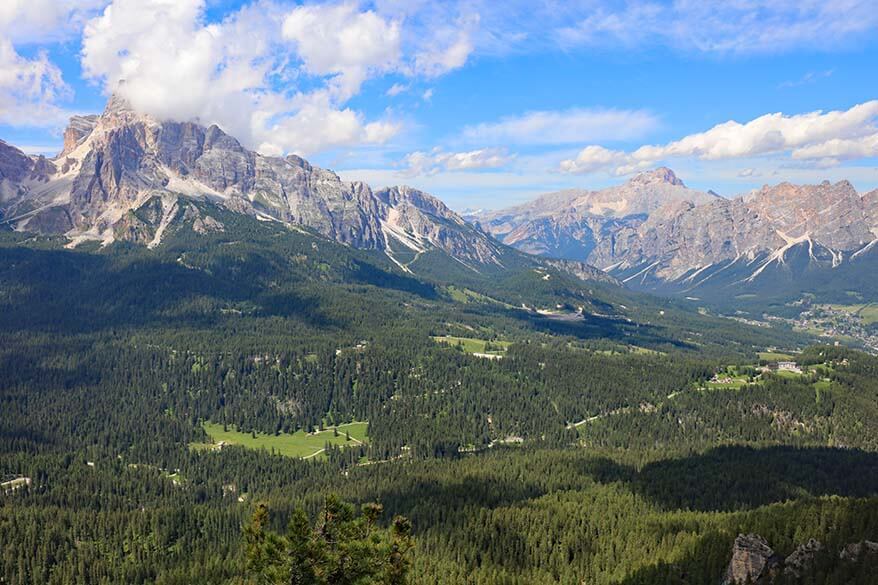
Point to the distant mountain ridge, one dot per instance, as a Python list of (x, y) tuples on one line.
[(656, 234), (120, 175), (573, 224)]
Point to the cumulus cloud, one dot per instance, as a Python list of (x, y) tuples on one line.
[(277, 77), (564, 127), (749, 26), (44, 20), (840, 149), (429, 163), (177, 66), (816, 135), (341, 41), (30, 89), (593, 158), (448, 52)]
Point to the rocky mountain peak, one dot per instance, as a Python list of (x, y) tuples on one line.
[(117, 105), (657, 176), (77, 131), (14, 164)]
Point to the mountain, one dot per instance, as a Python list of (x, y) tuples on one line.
[(595, 225), (655, 234), (121, 175)]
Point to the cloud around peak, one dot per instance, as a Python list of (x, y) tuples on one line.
[(277, 76)]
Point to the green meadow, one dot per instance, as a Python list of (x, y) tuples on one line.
[(472, 345), (298, 444)]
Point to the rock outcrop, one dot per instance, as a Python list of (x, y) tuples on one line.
[(801, 561), (857, 550), (753, 561)]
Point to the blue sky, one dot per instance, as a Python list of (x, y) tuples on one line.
[(484, 104)]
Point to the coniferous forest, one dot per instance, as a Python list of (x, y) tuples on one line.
[(594, 443)]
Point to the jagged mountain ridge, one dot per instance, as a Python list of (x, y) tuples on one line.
[(120, 174), (593, 226), (684, 240)]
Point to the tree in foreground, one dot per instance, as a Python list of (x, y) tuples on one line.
[(342, 548)]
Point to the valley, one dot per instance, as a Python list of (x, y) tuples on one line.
[(196, 338)]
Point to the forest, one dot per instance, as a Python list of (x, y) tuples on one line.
[(593, 450)]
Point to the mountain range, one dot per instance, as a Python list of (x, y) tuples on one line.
[(121, 177), (657, 234)]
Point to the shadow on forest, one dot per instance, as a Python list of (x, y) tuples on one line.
[(597, 327), (706, 561), (54, 289), (450, 506), (739, 478)]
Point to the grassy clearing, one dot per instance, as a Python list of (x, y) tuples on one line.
[(868, 312), (472, 345), (787, 374), (465, 295), (298, 444)]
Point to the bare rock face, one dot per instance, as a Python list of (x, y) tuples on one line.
[(833, 214), (870, 206), (752, 560), (15, 166), (686, 237), (582, 271), (420, 221), (857, 550), (801, 561), (79, 129)]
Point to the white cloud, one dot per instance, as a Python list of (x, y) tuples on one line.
[(316, 125), (30, 89), (396, 89), (592, 158), (840, 149), (564, 127), (340, 41), (745, 26), (429, 163), (427, 95), (44, 20), (176, 66), (279, 78), (450, 51), (815, 135)]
